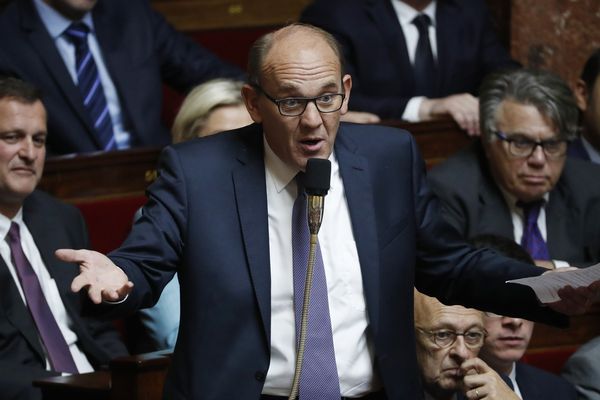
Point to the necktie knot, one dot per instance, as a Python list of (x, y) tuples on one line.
[(77, 33), (531, 210), (422, 22), (13, 235)]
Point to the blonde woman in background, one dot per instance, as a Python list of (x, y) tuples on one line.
[(211, 107)]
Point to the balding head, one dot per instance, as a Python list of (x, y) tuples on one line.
[(440, 352)]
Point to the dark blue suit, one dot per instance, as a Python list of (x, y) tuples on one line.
[(140, 51), (206, 218), (377, 58), (577, 150), (537, 384)]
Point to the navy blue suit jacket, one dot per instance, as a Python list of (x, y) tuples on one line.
[(377, 58), (53, 225), (577, 150), (140, 51), (537, 384), (206, 218)]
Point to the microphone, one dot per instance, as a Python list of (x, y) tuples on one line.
[(316, 184)]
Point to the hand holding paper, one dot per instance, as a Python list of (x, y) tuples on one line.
[(570, 292)]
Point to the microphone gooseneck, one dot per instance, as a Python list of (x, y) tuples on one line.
[(316, 182)]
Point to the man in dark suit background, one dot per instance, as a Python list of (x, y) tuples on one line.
[(517, 181), (381, 44), (587, 94), (220, 214), (507, 340), (29, 317), (134, 50)]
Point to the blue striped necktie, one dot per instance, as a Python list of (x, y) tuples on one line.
[(319, 377), (90, 86)]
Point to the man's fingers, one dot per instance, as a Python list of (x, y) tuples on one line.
[(79, 283), (71, 255)]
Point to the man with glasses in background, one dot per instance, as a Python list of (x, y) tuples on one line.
[(448, 341), (517, 181)]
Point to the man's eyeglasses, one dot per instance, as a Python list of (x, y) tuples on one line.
[(295, 106), (522, 147), (445, 338)]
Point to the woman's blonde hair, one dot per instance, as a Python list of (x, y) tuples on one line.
[(199, 103)]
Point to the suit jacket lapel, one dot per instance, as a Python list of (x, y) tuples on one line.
[(251, 199), (55, 67), (560, 235), (354, 170), (384, 17), (16, 311)]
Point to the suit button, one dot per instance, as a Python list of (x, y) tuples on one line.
[(260, 376)]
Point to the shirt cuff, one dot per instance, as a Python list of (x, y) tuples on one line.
[(411, 111), (116, 302), (560, 264)]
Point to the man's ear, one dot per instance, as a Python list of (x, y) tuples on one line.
[(251, 98), (347, 84), (581, 94)]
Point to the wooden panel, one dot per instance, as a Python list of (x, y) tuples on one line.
[(192, 15)]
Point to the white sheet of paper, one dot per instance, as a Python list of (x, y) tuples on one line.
[(546, 286)]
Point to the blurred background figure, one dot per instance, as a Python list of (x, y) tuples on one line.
[(516, 181), (209, 108), (414, 59), (587, 93), (101, 66), (448, 341), (508, 338), (582, 369)]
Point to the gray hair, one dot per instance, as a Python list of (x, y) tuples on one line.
[(262, 45), (548, 93)]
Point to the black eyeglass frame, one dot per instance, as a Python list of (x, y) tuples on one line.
[(434, 338), (532, 145), (306, 100)]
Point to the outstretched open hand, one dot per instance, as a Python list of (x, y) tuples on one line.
[(102, 278)]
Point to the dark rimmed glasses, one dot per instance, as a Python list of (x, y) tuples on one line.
[(443, 338), (522, 147), (295, 106)]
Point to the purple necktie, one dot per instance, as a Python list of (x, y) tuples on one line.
[(532, 239), (319, 378), (90, 86), (52, 338)]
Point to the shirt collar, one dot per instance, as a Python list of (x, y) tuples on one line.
[(406, 13), (5, 222), (55, 22), (283, 174)]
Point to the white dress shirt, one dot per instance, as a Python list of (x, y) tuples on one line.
[(47, 284), (56, 24), (349, 319), (406, 14), (513, 379)]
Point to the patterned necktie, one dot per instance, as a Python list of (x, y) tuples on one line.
[(90, 86), (319, 378), (532, 239), (424, 66), (48, 330)]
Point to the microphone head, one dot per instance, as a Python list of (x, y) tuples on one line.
[(317, 176)]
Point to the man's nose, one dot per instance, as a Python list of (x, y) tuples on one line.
[(311, 116), (459, 349)]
